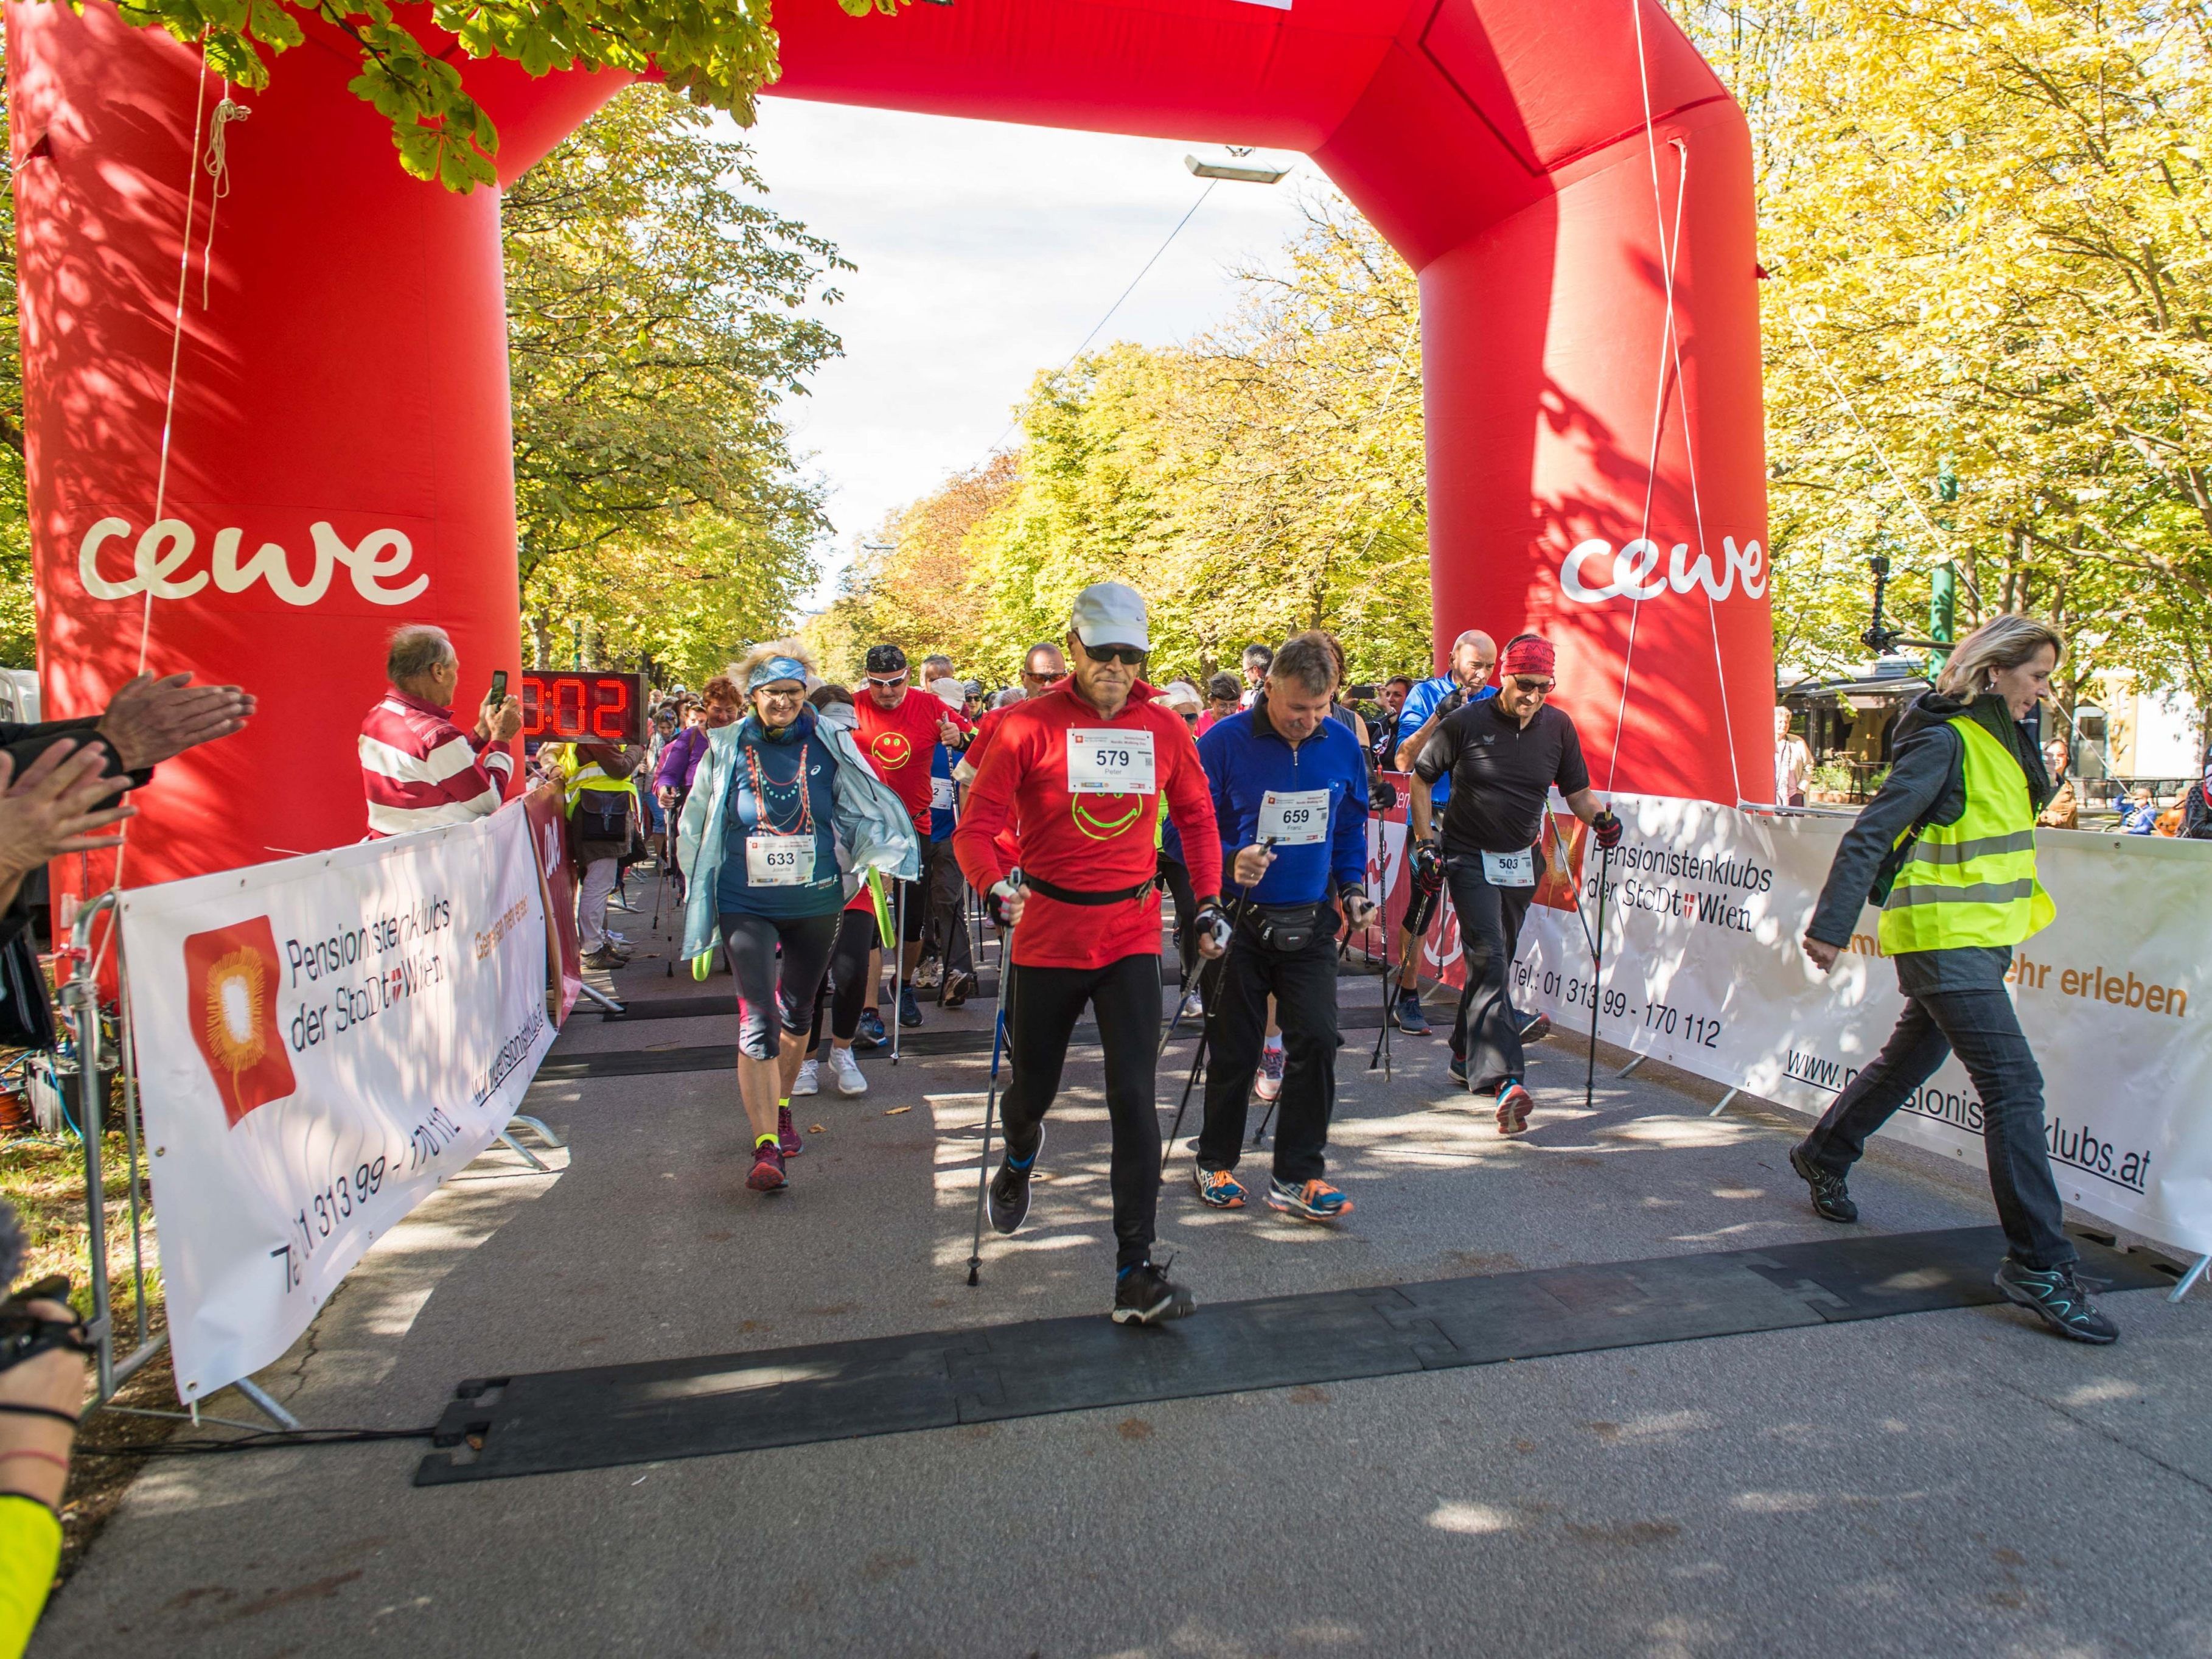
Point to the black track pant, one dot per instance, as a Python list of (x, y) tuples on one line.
[(1303, 984), (1486, 1032), (1044, 1005), (946, 934), (857, 935)]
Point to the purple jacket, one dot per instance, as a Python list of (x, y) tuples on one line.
[(680, 757)]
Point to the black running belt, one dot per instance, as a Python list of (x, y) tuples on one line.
[(616, 1414)]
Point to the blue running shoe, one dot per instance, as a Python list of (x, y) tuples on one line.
[(909, 1009), (1458, 1070), (1408, 1015), (1217, 1190), (871, 1034), (1307, 1200)]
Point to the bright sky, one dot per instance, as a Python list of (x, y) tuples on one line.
[(985, 252)]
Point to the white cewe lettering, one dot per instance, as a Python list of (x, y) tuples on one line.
[(166, 545), (1634, 575)]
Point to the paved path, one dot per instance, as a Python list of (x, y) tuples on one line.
[(1940, 1484)]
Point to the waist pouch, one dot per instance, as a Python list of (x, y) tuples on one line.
[(1054, 891), (1290, 927), (603, 815)]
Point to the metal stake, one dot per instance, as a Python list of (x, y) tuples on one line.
[(990, 1105)]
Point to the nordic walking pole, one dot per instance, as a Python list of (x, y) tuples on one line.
[(1597, 973), (897, 952), (1206, 1026), (990, 1105)]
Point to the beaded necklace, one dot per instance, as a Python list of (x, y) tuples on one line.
[(799, 802)]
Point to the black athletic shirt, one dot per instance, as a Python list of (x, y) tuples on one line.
[(1500, 775)]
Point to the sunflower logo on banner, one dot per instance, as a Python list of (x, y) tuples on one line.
[(232, 974)]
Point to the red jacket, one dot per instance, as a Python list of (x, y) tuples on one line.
[(898, 742), (1092, 842)]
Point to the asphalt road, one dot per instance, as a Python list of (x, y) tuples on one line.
[(1940, 1484)]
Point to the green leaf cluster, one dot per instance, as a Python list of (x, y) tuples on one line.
[(718, 53), (659, 314)]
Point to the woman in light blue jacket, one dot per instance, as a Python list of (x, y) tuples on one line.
[(784, 812)]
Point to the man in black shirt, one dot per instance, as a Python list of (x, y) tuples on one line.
[(1503, 756)]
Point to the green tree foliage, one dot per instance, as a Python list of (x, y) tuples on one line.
[(718, 53), (657, 318), (1260, 480), (18, 642), (1987, 223)]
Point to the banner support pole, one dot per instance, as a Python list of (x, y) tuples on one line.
[(1723, 1106), (2190, 1279)]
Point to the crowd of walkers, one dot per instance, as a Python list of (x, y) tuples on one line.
[(820, 835)]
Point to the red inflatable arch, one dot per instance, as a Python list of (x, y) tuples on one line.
[(340, 452)]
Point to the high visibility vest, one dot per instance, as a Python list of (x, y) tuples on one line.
[(1971, 882), (576, 779)]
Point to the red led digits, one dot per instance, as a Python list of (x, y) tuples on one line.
[(610, 705), (581, 708)]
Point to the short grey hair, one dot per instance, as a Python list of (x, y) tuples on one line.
[(1307, 659), (1259, 656), (416, 650), (937, 657)]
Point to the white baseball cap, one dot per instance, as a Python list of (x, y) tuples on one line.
[(1181, 694), (950, 692), (1109, 613)]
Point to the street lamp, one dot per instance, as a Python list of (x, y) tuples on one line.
[(1238, 168)]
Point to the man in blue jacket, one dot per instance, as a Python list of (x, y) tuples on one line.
[(1289, 798)]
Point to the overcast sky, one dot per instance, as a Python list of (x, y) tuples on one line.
[(985, 252)]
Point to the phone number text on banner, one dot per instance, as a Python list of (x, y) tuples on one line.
[(322, 1040)]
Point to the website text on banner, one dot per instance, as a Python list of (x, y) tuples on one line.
[(322, 1042), (1703, 970)]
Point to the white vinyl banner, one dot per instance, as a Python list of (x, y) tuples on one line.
[(321, 1042), (1704, 970)]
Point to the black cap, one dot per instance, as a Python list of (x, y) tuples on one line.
[(886, 659)]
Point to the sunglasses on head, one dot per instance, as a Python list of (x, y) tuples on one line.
[(1132, 656), (1527, 684)]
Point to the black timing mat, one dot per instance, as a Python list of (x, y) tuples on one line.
[(617, 1414)]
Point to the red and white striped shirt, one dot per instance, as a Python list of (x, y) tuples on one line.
[(419, 770)]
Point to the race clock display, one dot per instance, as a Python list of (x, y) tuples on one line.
[(582, 707)]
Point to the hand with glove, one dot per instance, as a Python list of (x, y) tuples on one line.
[(1357, 907), (1212, 929), (1607, 828), (1428, 864), (1454, 701), (1003, 902)]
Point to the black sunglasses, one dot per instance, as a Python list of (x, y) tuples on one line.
[(1532, 685), (1131, 656)]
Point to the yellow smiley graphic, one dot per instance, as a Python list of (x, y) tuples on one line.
[(1099, 829), (891, 749)]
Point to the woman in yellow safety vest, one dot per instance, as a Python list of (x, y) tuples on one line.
[(1947, 850)]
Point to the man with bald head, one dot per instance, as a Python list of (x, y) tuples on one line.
[(1474, 654)]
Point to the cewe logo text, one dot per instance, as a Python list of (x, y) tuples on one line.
[(167, 545), (1592, 573)]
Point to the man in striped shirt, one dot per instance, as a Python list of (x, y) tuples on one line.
[(419, 769)]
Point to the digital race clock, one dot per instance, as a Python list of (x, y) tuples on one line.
[(582, 707)]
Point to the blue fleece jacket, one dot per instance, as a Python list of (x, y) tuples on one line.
[(1245, 758)]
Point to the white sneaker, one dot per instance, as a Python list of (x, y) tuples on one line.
[(849, 1080), (929, 975), (1193, 1006), (1268, 1083), (808, 1080)]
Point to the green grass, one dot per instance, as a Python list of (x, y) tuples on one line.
[(44, 1179)]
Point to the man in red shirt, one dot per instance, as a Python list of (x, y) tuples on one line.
[(900, 729), (1082, 767)]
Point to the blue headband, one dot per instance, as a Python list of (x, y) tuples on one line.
[(775, 669)]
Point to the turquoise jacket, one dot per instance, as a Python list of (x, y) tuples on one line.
[(874, 829)]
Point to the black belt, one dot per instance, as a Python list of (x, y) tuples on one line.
[(1082, 896)]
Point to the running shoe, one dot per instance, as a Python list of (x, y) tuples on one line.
[(808, 1080), (1832, 1198), (1535, 1028), (786, 1133), (1309, 1200), (1145, 1295), (928, 974), (1514, 1105), (1458, 1069), (1193, 1006), (1408, 1013), (871, 1034), (848, 1073), (606, 956), (1267, 1083), (2058, 1297), (909, 1009), (958, 989), (1217, 1190), (1009, 1190), (767, 1176)]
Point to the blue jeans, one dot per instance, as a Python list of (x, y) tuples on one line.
[(1982, 1029)]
